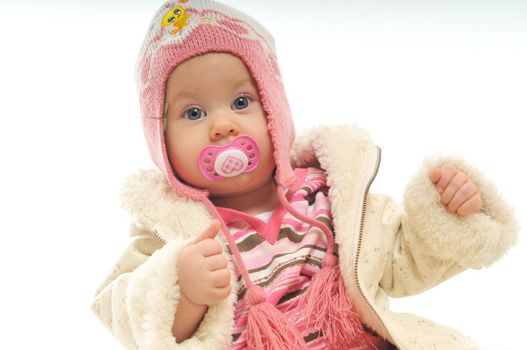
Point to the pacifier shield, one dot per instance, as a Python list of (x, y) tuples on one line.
[(219, 162)]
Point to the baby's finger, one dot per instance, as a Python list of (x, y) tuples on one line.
[(220, 278), (209, 232), (210, 247), (434, 175), (223, 292), (216, 262), (457, 182), (471, 206), (464, 193), (447, 173)]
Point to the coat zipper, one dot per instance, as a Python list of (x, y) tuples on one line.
[(157, 235), (359, 244)]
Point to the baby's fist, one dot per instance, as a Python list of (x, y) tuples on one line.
[(204, 276), (458, 192)]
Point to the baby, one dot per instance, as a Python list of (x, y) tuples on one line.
[(248, 238)]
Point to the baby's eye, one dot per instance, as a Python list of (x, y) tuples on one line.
[(241, 102), (194, 113)]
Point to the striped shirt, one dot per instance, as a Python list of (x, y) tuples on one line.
[(285, 264)]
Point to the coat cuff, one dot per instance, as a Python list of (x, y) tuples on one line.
[(474, 240)]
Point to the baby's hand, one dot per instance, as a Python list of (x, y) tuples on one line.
[(458, 193), (203, 274)]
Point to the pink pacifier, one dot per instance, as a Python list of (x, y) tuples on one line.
[(239, 156)]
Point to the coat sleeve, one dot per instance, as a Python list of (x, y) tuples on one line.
[(110, 302), (138, 300), (426, 244)]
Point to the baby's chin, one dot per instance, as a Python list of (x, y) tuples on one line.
[(243, 183), (238, 185)]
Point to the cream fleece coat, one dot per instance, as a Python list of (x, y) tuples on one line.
[(385, 250)]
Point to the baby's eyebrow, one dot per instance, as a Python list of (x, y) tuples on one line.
[(244, 81), (178, 95), (181, 94)]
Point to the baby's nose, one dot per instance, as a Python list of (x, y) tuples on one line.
[(224, 129)]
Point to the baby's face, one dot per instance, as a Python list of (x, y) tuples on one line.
[(212, 99)]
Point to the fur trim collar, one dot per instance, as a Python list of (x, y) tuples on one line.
[(153, 204)]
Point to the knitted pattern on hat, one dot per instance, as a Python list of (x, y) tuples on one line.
[(184, 29)]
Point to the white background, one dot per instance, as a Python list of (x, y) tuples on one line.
[(421, 76)]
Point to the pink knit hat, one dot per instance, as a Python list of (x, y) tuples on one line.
[(184, 29), (187, 28)]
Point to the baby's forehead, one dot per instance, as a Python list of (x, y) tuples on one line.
[(212, 62), (210, 72)]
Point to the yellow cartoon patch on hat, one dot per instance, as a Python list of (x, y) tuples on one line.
[(177, 18)]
